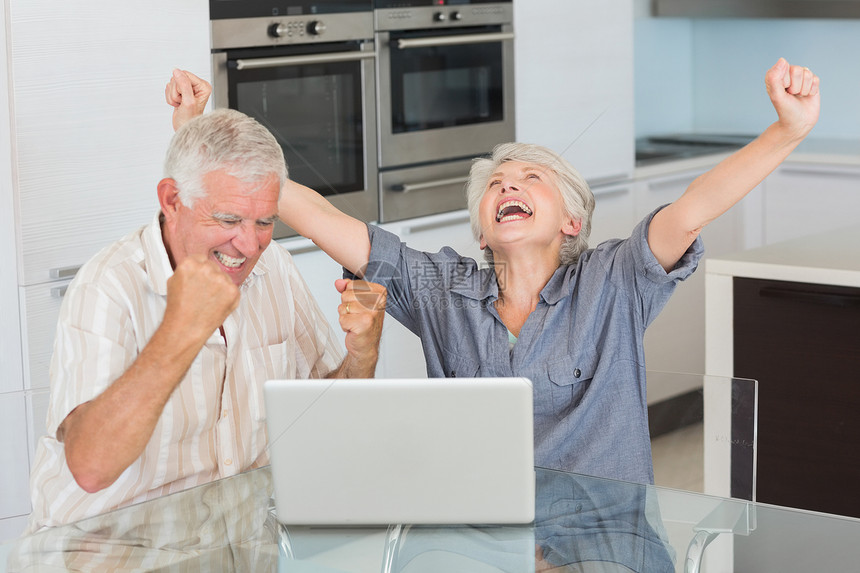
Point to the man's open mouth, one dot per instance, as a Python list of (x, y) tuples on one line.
[(229, 262), (512, 210)]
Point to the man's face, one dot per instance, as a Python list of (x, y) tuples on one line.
[(231, 225)]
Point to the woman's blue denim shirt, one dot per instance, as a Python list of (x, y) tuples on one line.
[(582, 347)]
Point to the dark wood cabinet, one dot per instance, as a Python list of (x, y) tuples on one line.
[(802, 343)]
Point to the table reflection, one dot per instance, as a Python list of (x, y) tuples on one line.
[(220, 526), (582, 524)]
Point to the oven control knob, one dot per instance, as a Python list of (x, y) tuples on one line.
[(278, 30), (316, 28), (456, 16), (439, 17)]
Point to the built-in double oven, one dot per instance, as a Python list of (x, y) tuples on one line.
[(306, 70), (380, 105), (446, 95)]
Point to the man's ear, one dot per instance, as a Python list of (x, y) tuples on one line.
[(168, 198), (572, 227)]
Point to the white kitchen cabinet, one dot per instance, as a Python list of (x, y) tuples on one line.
[(86, 130), (90, 122), (40, 305), (401, 355), (614, 212), (574, 82), (802, 199), (675, 341)]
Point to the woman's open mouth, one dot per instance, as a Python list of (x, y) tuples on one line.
[(512, 210)]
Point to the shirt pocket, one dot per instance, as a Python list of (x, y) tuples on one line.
[(461, 367), (570, 379), (267, 363)]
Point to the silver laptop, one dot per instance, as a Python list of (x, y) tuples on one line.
[(417, 451)]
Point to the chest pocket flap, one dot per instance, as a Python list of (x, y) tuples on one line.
[(571, 378), (461, 367)]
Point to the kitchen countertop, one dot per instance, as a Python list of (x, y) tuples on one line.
[(831, 258), (824, 151)]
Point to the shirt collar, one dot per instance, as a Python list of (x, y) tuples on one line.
[(559, 285), (158, 262), (475, 283), (482, 284)]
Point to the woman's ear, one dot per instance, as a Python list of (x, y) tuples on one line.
[(572, 226), (482, 242)]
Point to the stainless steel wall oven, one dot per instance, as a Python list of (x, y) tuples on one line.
[(307, 72), (446, 95)]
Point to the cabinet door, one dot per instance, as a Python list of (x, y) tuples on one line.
[(805, 199), (574, 82), (91, 124), (40, 307), (800, 342), (22, 422), (401, 355), (675, 341), (614, 212), (14, 456)]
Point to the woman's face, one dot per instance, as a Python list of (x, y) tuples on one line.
[(522, 206)]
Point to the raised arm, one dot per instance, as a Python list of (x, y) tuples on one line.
[(342, 237), (793, 91)]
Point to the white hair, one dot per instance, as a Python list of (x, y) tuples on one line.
[(224, 139)]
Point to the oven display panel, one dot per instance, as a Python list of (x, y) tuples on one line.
[(415, 3), (223, 9)]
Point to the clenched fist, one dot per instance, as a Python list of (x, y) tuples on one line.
[(200, 296)]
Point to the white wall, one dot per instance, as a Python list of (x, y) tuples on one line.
[(708, 74), (662, 75), (742, 50)]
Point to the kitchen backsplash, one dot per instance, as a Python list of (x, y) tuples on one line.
[(708, 75)]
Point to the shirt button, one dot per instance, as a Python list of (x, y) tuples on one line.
[(577, 372), (228, 461), (224, 413)]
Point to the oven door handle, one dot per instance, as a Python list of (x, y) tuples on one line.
[(257, 63), (404, 43), (407, 187)]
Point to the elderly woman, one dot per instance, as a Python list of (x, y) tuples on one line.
[(568, 318)]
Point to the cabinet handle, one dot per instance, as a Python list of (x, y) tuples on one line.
[(407, 187), (64, 272), (59, 292), (303, 250), (613, 192), (825, 171), (812, 297), (436, 225), (609, 180), (672, 180)]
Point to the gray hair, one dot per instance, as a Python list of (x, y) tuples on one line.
[(577, 196), (224, 139)]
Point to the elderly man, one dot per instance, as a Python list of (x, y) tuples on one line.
[(166, 337)]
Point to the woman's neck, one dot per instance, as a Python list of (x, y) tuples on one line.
[(521, 280)]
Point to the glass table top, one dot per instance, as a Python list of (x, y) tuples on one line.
[(582, 524)]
